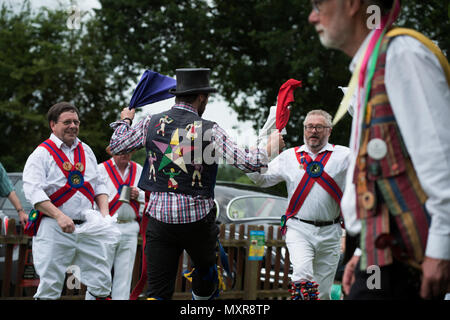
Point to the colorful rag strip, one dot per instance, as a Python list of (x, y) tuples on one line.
[(371, 55), (359, 74)]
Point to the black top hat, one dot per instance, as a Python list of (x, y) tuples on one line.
[(192, 81)]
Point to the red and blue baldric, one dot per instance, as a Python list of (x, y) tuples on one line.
[(314, 172), (74, 174), (116, 179)]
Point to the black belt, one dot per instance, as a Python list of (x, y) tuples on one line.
[(319, 223), (79, 221)]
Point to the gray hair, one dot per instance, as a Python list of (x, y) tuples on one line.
[(320, 112)]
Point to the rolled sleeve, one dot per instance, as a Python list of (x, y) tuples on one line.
[(273, 175), (125, 138), (34, 176)]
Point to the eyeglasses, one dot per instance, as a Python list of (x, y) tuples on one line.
[(319, 128), (69, 122), (316, 4)]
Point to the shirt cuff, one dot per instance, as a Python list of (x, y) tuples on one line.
[(438, 246), (118, 123), (264, 158), (357, 252)]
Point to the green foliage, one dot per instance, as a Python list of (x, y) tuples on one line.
[(43, 62), (252, 46)]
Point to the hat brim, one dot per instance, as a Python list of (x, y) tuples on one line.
[(193, 91)]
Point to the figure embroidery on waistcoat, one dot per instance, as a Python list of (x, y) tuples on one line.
[(172, 182), (198, 169), (162, 122), (152, 172), (191, 132)]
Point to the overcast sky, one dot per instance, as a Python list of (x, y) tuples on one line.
[(217, 110)]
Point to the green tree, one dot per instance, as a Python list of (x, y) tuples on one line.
[(252, 46), (43, 62)]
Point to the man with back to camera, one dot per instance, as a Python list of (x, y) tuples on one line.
[(183, 217)]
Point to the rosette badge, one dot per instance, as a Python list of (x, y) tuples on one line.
[(33, 215), (315, 169), (76, 179)]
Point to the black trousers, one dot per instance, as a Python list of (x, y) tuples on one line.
[(164, 244), (398, 281)]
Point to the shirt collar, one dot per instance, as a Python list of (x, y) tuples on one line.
[(115, 164), (327, 147), (360, 51), (59, 143), (185, 106)]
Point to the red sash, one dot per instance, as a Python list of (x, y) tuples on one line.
[(75, 182), (143, 278), (116, 179), (314, 172), (73, 172)]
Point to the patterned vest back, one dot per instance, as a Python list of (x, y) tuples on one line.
[(390, 199), (180, 157)]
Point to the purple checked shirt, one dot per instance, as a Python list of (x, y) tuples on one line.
[(170, 207)]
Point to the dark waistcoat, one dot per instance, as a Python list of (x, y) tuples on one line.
[(180, 156)]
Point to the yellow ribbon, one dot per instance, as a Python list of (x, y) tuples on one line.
[(426, 42), (352, 85)]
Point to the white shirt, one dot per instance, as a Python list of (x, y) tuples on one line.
[(318, 205), (42, 177), (420, 99), (125, 212)]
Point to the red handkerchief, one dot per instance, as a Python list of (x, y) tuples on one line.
[(285, 97)]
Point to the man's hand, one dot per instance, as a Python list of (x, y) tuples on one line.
[(435, 278), (127, 113), (23, 217), (275, 143), (349, 274), (134, 193), (65, 223)]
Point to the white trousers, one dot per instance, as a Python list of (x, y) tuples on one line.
[(54, 251), (121, 258), (314, 253)]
